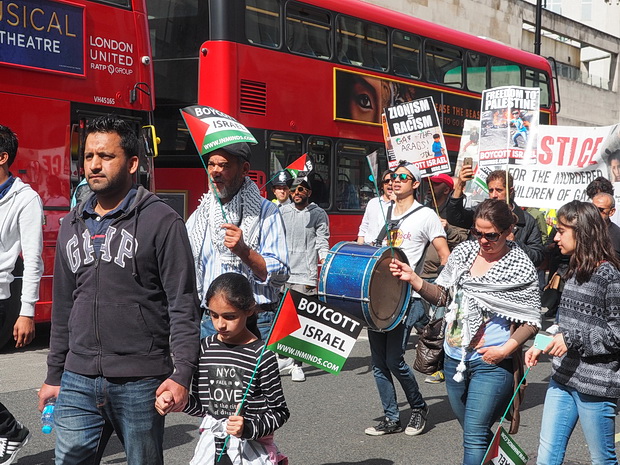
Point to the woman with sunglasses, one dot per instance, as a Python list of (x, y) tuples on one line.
[(491, 289), (585, 376), (376, 210)]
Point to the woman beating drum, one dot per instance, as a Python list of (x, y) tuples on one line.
[(490, 287)]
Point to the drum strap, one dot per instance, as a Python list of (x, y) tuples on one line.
[(391, 224)]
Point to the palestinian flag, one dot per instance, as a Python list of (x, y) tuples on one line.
[(287, 321), (303, 164), (504, 450), (211, 129)]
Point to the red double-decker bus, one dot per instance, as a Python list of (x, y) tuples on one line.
[(62, 63), (313, 77)]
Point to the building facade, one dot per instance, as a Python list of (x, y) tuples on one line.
[(582, 36)]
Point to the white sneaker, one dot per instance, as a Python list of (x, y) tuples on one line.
[(553, 329), (297, 374), (285, 365)]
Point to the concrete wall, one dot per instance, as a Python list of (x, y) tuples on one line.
[(502, 20)]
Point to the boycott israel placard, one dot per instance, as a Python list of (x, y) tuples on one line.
[(505, 451), (508, 125), (414, 134), (314, 332), (212, 129)]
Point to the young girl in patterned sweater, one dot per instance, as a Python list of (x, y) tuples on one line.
[(585, 377), (227, 362)]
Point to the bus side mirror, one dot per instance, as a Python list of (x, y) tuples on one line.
[(151, 141)]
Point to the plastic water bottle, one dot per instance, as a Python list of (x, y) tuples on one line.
[(47, 416)]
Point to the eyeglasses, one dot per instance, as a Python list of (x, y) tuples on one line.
[(603, 209), (402, 177), (301, 189), (386, 181), (490, 237)]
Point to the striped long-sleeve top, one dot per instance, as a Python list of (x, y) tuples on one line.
[(223, 374), (589, 320)]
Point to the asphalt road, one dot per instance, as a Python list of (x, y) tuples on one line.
[(328, 417)]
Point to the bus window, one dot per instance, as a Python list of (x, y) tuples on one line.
[(123, 3), (362, 44), (353, 172), (477, 65), (262, 22), (284, 149), (504, 73), (535, 78), (320, 148), (308, 31), (175, 29), (406, 54), (444, 65)]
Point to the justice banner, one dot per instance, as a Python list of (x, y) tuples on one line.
[(314, 332), (508, 125), (569, 158), (412, 132)]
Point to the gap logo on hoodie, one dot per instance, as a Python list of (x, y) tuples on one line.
[(121, 251)]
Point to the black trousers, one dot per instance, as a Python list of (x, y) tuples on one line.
[(8, 425)]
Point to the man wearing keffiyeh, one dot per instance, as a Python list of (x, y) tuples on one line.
[(234, 229)]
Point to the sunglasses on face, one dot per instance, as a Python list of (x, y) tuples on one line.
[(402, 177), (603, 209), (386, 181), (490, 237), (301, 189)]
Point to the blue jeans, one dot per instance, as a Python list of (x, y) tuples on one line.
[(264, 321), (387, 350), (478, 402), (88, 409), (563, 406)]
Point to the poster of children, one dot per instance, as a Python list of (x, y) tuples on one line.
[(509, 125)]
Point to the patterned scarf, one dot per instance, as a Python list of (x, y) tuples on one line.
[(509, 290), (242, 210)]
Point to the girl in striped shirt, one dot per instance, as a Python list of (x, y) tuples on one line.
[(226, 368)]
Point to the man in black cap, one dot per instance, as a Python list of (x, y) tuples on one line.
[(307, 238), (238, 231), (281, 187)]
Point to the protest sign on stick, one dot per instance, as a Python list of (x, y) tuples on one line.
[(509, 125), (314, 332), (414, 134)]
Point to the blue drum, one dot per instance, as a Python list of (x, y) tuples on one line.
[(356, 279)]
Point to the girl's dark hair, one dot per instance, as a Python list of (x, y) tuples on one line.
[(497, 212), (235, 288), (592, 242)]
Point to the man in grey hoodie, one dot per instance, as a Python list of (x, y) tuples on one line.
[(307, 240)]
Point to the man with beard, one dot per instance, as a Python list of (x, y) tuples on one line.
[(235, 229), (125, 311), (307, 238)]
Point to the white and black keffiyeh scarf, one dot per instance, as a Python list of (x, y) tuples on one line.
[(242, 210), (509, 290)]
